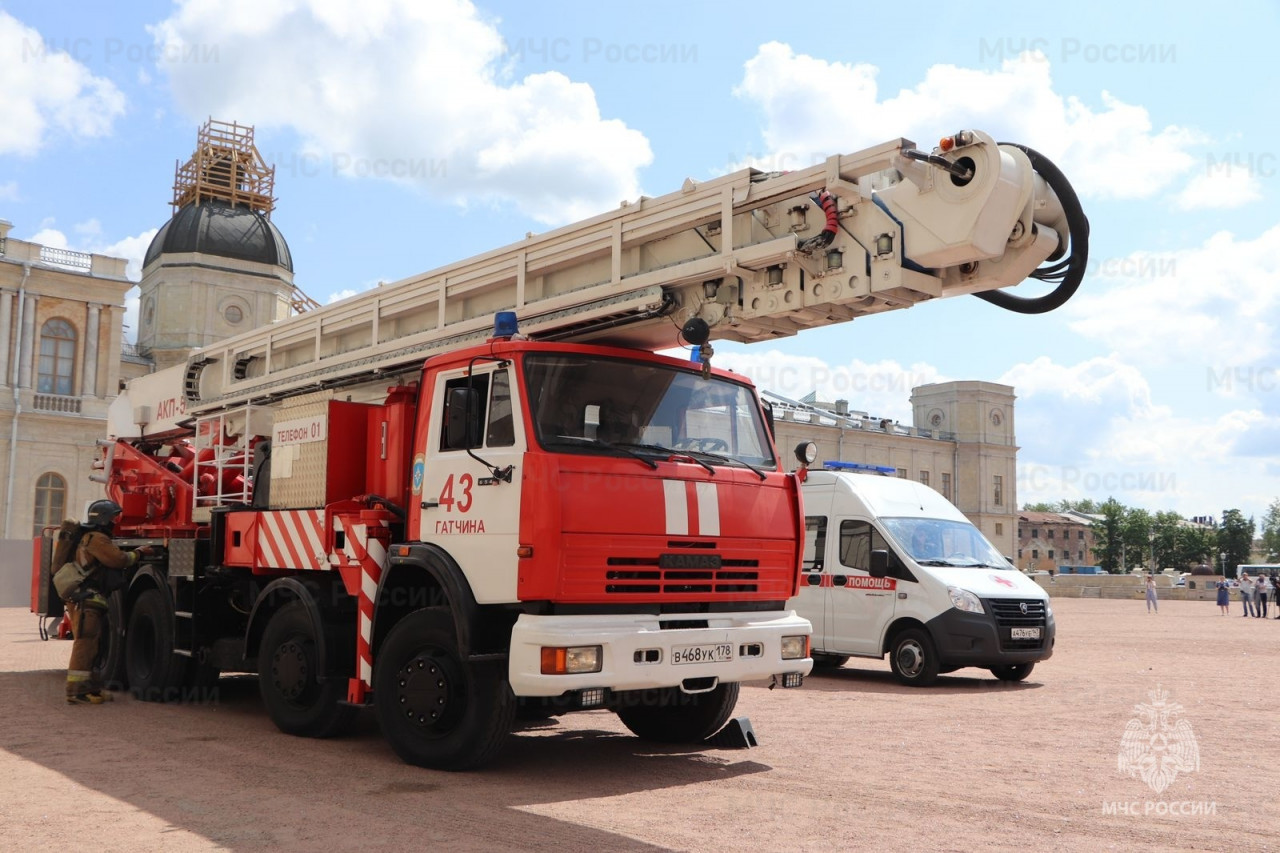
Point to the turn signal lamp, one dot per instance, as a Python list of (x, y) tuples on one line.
[(570, 660)]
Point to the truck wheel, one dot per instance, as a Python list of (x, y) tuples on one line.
[(108, 666), (1013, 671), (298, 698), (913, 658), (436, 709), (155, 673), (671, 716), (825, 661)]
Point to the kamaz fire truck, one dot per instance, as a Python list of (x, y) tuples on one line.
[(391, 501)]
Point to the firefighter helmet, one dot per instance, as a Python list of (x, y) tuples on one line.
[(103, 513)]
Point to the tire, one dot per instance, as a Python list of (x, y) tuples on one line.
[(154, 672), (672, 716), (436, 709), (1013, 671), (826, 661), (913, 658), (108, 666), (300, 701)]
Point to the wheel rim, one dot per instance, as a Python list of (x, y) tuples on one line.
[(429, 692), (291, 670), (910, 658)]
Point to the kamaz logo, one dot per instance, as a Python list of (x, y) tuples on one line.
[(689, 561)]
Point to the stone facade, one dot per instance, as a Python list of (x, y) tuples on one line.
[(962, 444), (1049, 540), (61, 321), (192, 299)]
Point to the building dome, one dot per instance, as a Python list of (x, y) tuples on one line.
[(214, 227)]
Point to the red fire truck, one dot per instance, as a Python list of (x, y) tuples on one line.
[(391, 501)]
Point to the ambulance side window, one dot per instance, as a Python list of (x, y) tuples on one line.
[(858, 539), (815, 543)]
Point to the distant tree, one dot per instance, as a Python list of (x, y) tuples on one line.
[(1166, 526), (1235, 538), (1137, 538), (1039, 507), (1109, 535), (1271, 532), (1196, 545)]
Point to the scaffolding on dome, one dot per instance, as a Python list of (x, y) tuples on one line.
[(226, 166)]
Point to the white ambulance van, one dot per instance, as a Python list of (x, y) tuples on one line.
[(891, 567)]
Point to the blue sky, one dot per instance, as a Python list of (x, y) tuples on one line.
[(408, 135)]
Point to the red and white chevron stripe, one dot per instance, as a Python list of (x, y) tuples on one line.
[(292, 539), (370, 554)]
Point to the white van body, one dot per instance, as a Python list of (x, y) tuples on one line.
[(945, 598)]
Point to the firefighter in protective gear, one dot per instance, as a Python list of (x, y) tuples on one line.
[(87, 605)]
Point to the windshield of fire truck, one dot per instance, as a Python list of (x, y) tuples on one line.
[(942, 542), (598, 405)]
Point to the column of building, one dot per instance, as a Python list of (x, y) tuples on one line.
[(89, 375)]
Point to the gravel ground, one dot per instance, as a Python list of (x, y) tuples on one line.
[(852, 759)]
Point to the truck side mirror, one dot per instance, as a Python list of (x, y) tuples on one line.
[(879, 564), (462, 402)]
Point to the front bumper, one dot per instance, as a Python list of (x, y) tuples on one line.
[(629, 641), (974, 639)]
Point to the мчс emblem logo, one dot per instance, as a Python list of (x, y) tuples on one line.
[(1156, 746)]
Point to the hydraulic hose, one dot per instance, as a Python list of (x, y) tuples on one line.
[(1067, 273)]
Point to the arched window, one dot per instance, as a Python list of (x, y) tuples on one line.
[(57, 357), (51, 502)]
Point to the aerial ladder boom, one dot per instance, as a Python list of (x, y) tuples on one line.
[(749, 256)]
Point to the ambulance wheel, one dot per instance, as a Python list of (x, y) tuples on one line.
[(154, 672), (1013, 671), (672, 716), (913, 659), (299, 700), (825, 661), (436, 709)]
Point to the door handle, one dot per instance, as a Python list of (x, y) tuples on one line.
[(902, 595), (813, 580), (839, 580)]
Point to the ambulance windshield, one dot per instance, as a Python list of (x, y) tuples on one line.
[(939, 542), (629, 408)]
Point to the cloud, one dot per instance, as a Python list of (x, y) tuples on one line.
[(408, 92), (1220, 190), (1212, 305), (813, 108), (1094, 430), (47, 90), (9, 191), (881, 388)]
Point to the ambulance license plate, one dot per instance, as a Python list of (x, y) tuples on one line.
[(1024, 633), (716, 653)]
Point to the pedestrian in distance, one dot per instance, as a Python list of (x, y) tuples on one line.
[(1263, 591), (1224, 593), (101, 562), (1246, 593), (1151, 595)]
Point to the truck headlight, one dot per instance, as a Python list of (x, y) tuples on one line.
[(795, 648), (962, 599), (570, 659)]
